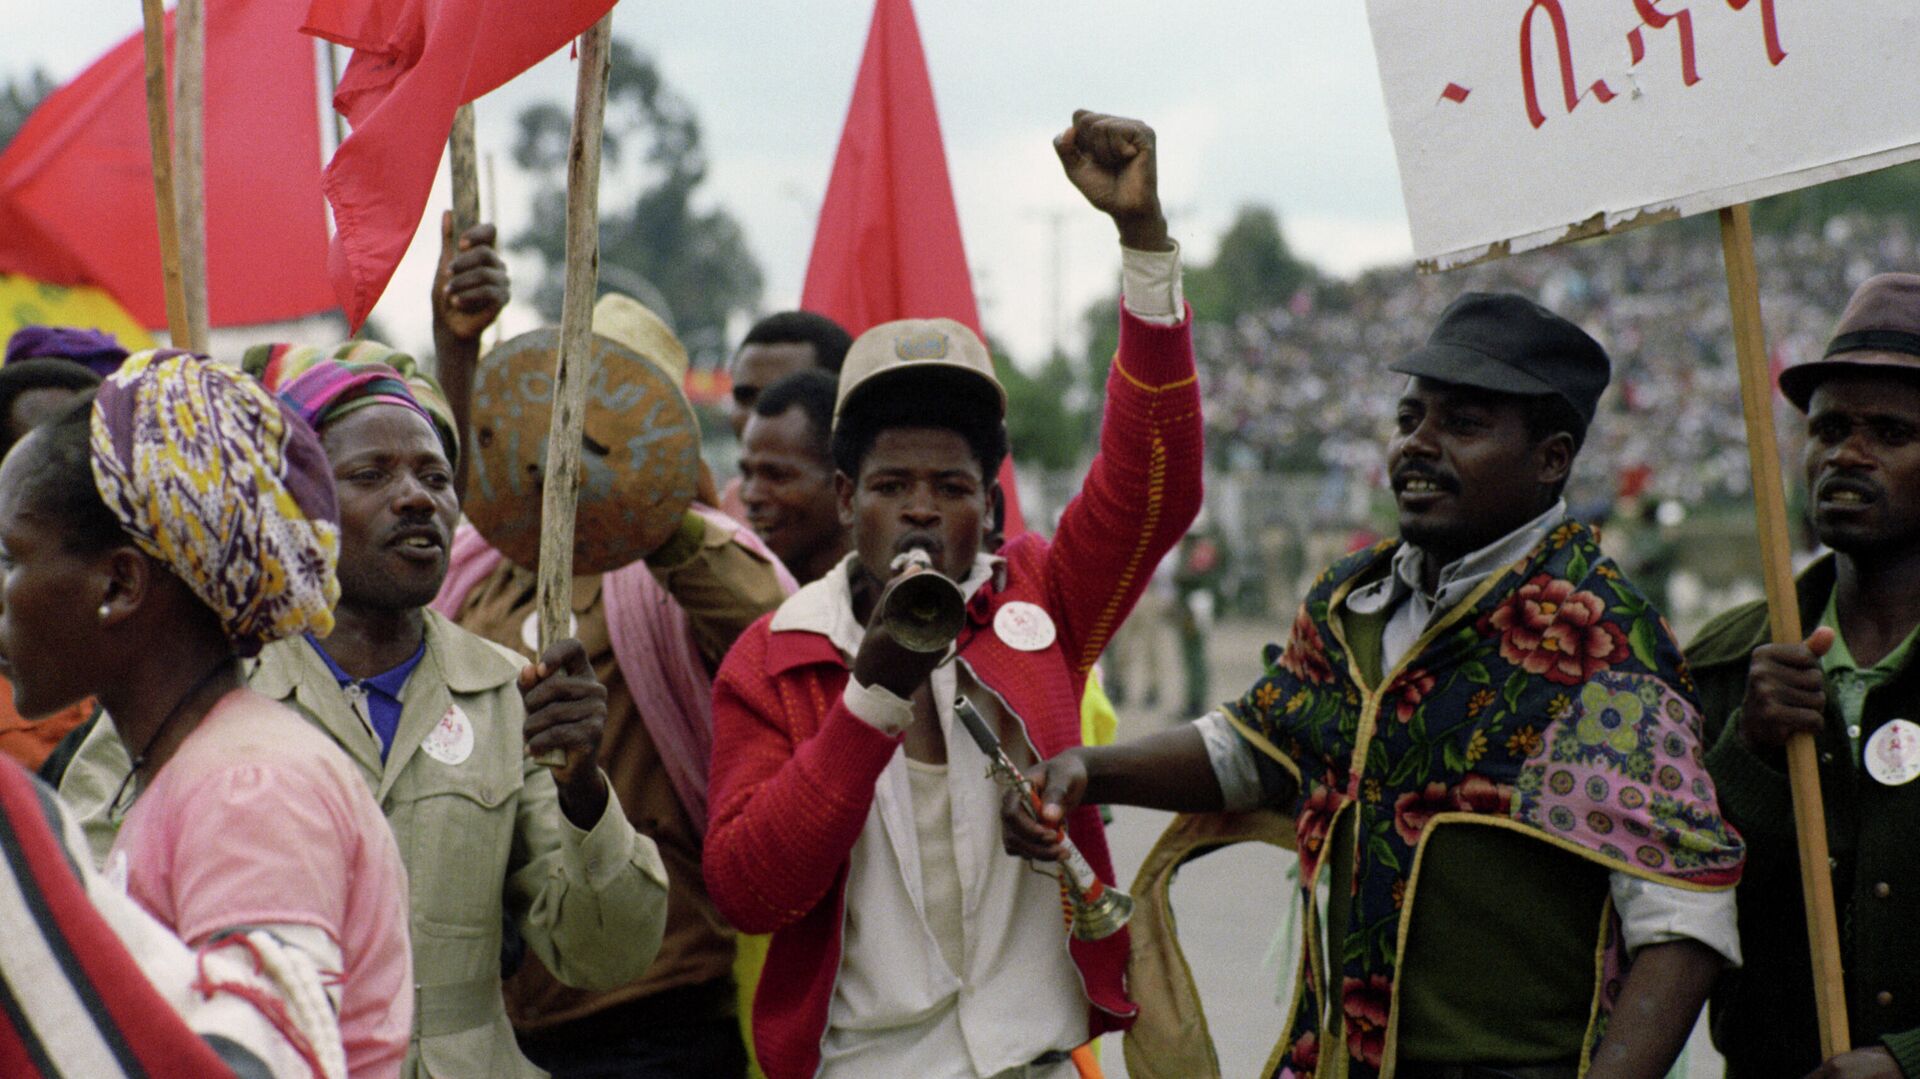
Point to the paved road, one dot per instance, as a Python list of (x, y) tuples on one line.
[(1231, 904)]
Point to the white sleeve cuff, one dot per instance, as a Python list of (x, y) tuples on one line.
[(313, 942), (1653, 913), (1150, 285), (878, 707), (1235, 766)]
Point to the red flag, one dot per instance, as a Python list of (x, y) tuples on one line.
[(888, 244), (414, 63), (76, 184)]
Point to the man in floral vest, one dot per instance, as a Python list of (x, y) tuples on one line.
[(1490, 748)]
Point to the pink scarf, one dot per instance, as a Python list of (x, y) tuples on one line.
[(652, 642)]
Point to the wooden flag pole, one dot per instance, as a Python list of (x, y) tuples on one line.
[(493, 215), (165, 210), (1783, 608), (463, 163), (333, 89), (189, 161), (573, 366), (493, 190)]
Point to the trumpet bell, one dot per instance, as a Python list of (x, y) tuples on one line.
[(923, 611), (1102, 917)]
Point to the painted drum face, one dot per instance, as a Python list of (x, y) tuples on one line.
[(639, 464)]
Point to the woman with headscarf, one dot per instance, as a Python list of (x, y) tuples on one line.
[(150, 539), (439, 724)]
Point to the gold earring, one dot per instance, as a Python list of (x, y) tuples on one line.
[(104, 612)]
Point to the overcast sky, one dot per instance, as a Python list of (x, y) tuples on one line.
[(1256, 101)]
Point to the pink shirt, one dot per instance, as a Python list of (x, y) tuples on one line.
[(260, 819)]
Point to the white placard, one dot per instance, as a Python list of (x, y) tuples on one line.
[(1521, 123)]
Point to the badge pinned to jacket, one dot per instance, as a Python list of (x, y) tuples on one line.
[(451, 740), (1025, 627), (1893, 753)]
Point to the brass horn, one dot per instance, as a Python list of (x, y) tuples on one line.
[(1098, 909), (1101, 916), (923, 610)]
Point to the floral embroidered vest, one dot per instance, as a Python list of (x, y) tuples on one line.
[(1552, 700)]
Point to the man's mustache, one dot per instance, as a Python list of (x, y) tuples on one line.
[(1406, 473)]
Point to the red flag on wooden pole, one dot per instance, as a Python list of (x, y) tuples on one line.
[(888, 244), (76, 184), (414, 63)]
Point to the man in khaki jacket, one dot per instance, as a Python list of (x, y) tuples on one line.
[(442, 723), (654, 630)]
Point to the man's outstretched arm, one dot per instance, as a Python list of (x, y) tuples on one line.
[(1665, 989), (1171, 770), (1144, 486)]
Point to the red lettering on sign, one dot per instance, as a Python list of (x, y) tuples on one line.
[(1769, 27), (1558, 20), (1653, 18), (1455, 93)]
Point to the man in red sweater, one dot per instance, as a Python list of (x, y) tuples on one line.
[(849, 817)]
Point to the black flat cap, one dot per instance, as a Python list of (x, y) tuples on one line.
[(1879, 332), (1509, 344)]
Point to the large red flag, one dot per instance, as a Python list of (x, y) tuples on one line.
[(888, 244), (414, 63), (76, 184)]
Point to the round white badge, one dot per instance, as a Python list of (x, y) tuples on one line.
[(1893, 753), (530, 630), (1024, 626), (451, 740)]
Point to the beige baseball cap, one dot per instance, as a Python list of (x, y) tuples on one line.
[(916, 346), (627, 321)]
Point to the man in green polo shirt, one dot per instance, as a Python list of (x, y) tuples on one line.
[(1853, 687), (1489, 747)]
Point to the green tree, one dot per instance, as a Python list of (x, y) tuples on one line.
[(18, 98), (1893, 192), (1252, 271), (1048, 422), (691, 265)]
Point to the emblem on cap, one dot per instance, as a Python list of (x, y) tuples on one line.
[(926, 345)]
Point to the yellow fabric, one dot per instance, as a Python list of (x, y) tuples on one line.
[(1099, 725), (749, 958), (26, 302)]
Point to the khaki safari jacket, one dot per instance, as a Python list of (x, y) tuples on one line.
[(483, 839)]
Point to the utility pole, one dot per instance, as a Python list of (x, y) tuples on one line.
[(1057, 219)]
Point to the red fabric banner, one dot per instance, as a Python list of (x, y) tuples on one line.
[(888, 244), (414, 63), (76, 184)]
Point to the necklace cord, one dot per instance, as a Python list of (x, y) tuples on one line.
[(118, 808)]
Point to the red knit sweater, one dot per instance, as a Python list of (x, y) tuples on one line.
[(794, 772)]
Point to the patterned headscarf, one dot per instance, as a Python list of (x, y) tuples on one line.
[(324, 384), (226, 487)]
